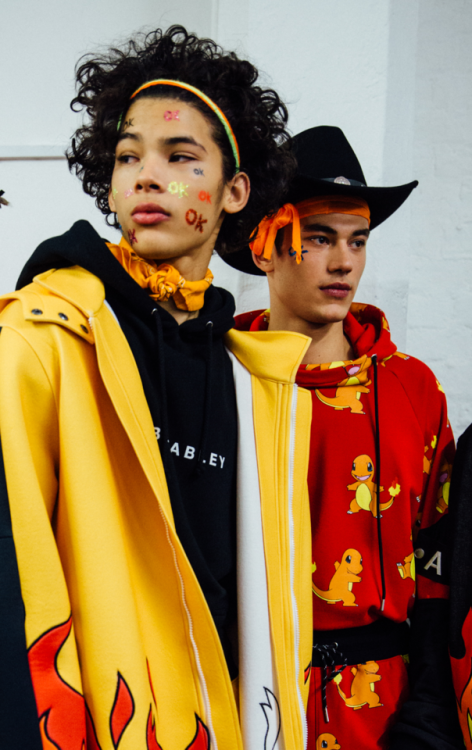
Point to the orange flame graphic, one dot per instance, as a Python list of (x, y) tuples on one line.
[(201, 740), (152, 743), (64, 720), (122, 711)]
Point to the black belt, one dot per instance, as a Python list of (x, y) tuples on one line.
[(382, 639)]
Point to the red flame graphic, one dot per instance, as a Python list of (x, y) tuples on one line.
[(201, 741), (122, 711), (152, 743), (150, 682), (64, 720)]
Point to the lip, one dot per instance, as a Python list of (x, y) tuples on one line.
[(363, 478), (336, 290), (148, 214)]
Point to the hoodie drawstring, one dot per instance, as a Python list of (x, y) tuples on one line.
[(328, 654), (162, 390), (201, 463), (377, 458)]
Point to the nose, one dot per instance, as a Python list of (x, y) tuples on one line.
[(340, 259), (148, 179)]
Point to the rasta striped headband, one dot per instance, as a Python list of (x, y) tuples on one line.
[(209, 102)]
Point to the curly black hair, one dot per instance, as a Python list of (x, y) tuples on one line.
[(258, 118)]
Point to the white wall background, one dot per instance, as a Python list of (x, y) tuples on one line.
[(395, 75)]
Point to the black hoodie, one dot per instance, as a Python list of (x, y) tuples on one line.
[(188, 383)]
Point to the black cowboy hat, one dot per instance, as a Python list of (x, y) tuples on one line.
[(327, 165)]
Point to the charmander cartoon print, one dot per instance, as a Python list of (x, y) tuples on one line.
[(366, 491), (348, 392), (428, 454), (407, 569), (444, 486), (362, 686), (327, 741), (340, 585)]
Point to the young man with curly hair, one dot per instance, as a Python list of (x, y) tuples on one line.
[(134, 475), (381, 449)]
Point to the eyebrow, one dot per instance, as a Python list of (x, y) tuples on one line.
[(329, 230), (182, 139), (125, 134), (175, 141)]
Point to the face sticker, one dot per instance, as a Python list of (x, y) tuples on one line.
[(193, 218), (129, 192), (114, 192), (168, 115), (132, 236), (200, 223), (204, 196), (128, 123), (178, 188), (198, 171), (292, 252)]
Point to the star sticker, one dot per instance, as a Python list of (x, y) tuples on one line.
[(292, 252)]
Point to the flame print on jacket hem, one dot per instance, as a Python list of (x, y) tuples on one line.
[(201, 740), (65, 722)]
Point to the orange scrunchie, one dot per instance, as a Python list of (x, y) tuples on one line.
[(290, 214), (163, 281)]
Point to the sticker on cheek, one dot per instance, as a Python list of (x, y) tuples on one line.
[(114, 192), (192, 218), (198, 171), (171, 115), (178, 188), (132, 236), (129, 192), (204, 196), (292, 252)]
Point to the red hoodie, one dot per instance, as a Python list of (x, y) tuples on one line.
[(416, 451)]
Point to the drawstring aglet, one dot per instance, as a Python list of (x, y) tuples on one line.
[(383, 605), (326, 715)]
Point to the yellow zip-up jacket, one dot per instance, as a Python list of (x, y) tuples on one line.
[(122, 648)]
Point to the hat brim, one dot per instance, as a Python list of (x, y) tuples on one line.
[(382, 202)]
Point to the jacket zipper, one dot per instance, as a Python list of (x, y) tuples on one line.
[(293, 419)]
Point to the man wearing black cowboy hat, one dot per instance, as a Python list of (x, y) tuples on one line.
[(381, 451)]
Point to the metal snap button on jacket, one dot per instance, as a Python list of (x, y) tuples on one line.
[(63, 316), (36, 311)]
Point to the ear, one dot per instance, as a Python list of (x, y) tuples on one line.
[(267, 266), (237, 192), (111, 200)]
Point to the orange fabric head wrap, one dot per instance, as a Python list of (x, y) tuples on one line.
[(164, 281), (290, 214)]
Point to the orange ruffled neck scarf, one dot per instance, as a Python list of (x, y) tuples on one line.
[(163, 281), (291, 214)]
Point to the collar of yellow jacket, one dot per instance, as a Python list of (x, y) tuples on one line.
[(162, 281), (271, 355)]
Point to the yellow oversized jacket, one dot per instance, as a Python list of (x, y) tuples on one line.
[(122, 649)]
